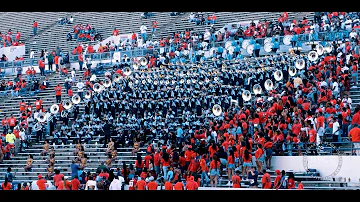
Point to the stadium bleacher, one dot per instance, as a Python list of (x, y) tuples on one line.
[(52, 35)]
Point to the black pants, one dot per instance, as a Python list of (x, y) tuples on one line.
[(274, 50), (42, 71), (50, 66), (257, 52), (58, 98), (39, 135)]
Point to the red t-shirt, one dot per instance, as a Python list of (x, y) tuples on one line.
[(141, 185), (75, 184), (57, 178)]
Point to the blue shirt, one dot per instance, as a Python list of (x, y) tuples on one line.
[(74, 169), (179, 132), (257, 46)]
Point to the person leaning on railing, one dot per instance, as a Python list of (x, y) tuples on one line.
[(354, 135)]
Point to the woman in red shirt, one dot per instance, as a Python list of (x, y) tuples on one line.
[(231, 165), (165, 162), (6, 185), (247, 158), (139, 164), (214, 171), (260, 157), (291, 181)]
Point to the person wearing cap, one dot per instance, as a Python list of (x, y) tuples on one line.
[(152, 185), (266, 180), (41, 183), (140, 184), (117, 182), (64, 184), (191, 184)]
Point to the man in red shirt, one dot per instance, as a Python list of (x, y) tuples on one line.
[(57, 177), (42, 66), (35, 26), (38, 103), (12, 122), (236, 180), (58, 89), (152, 185), (191, 184), (141, 184), (115, 32), (354, 134), (41, 183), (266, 180), (75, 183)]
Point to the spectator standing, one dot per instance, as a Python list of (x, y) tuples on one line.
[(354, 135), (154, 27), (143, 29), (42, 66), (50, 58), (35, 27)]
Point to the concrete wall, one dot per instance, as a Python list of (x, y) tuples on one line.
[(337, 166)]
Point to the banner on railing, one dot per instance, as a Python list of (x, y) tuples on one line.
[(12, 52), (117, 40)]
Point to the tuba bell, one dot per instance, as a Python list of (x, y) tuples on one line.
[(135, 66), (257, 89), (107, 83), (87, 95), (216, 110), (41, 117), (97, 87), (328, 47), (127, 71), (319, 49), (300, 63), (116, 78), (292, 71), (278, 75), (143, 61), (313, 56), (64, 114), (54, 109), (67, 104), (246, 95), (37, 126), (76, 99), (269, 85)]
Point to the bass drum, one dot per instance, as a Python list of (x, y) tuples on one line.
[(268, 47), (267, 40), (250, 49), (245, 43), (287, 39)]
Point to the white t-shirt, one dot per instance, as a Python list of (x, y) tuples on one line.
[(353, 34), (335, 86), (143, 29), (90, 183), (336, 127), (116, 184), (80, 86)]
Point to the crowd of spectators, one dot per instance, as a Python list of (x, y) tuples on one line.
[(302, 111)]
